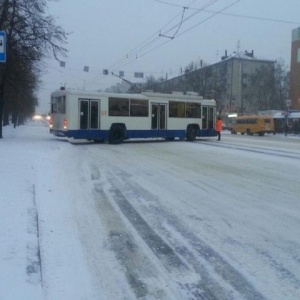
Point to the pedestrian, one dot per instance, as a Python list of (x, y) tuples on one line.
[(218, 127)]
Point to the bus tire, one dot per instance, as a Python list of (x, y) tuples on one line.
[(248, 132), (116, 133), (191, 133)]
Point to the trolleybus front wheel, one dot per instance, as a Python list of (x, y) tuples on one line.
[(191, 133)]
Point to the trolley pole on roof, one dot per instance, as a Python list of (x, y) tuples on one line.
[(133, 85)]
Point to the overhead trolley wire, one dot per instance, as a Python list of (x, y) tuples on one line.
[(165, 42), (211, 16), (133, 56), (233, 15), (172, 37), (143, 45), (253, 17), (168, 3), (192, 27), (195, 13)]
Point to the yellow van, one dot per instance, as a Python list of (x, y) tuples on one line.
[(256, 124)]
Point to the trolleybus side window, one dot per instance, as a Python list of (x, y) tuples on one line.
[(193, 110), (176, 109), (128, 107), (139, 108), (118, 106)]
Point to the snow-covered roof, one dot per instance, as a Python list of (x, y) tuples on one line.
[(244, 56)]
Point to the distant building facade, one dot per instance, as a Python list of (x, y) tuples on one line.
[(295, 69), (227, 81)]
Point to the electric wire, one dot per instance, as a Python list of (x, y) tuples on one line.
[(172, 37), (133, 54), (190, 28), (168, 3), (209, 17), (152, 39), (253, 17), (195, 13), (130, 60), (233, 15)]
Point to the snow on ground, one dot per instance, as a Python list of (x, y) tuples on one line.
[(149, 220)]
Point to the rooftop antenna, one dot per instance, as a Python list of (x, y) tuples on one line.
[(238, 46)]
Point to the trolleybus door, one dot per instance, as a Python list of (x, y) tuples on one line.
[(89, 113), (159, 120), (208, 119)]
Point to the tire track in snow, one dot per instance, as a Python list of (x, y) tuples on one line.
[(172, 260), (260, 150), (161, 249), (122, 243), (199, 255), (34, 262), (140, 272)]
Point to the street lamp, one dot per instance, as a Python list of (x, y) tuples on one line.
[(288, 104), (240, 81)]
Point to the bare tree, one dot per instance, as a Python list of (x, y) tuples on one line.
[(268, 88), (282, 85), (31, 36)]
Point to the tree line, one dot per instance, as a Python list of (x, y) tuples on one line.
[(31, 36)]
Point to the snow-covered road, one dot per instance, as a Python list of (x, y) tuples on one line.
[(149, 220)]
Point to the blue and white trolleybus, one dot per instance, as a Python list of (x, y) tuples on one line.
[(116, 117)]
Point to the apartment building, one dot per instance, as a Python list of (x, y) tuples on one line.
[(227, 81), (295, 70)]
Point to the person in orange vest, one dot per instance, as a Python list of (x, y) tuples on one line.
[(219, 127)]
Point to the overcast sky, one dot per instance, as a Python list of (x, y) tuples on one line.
[(124, 35)]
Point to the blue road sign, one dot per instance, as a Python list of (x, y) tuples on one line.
[(2, 47)]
